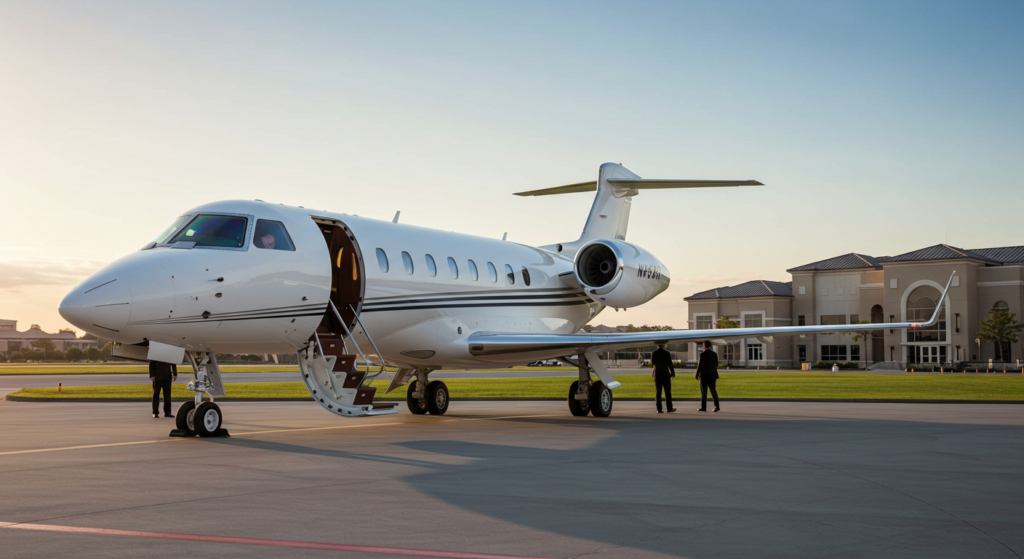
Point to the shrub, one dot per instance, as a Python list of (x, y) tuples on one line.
[(74, 354), (828, 365)]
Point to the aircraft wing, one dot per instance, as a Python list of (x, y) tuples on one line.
[(484, 343)]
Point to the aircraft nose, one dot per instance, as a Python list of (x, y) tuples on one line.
[(98, 305)]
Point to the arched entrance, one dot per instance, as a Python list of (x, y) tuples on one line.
[(877, 336)]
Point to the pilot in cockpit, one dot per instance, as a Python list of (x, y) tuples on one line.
[(271, 235)]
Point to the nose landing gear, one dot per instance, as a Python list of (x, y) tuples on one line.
[(197, 417)]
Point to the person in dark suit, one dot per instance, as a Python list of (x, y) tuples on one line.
[(162, 375), (707, 374), (663, 372)]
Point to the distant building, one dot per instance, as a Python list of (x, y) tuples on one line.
[(12, 340), (855, 287)]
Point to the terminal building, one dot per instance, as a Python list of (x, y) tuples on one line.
[(12, 340), (856, 287)]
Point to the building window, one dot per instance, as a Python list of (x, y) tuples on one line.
[(382, 260), (855, 353), (832, 319), (752, 321), (920, 308), (453, 268), (493, 271), (431, 266), (833, 353), (1000, 305), (755, 352), (473, 273), (802, 290), (802, 352), (510, 275), (801, 320), (407, 261), (526, 276), (702, 322), (854, 318), (728, 353)]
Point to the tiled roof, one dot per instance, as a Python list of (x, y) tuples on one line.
[(942, 252), (756, 288), (1006, 255), (850, 261)]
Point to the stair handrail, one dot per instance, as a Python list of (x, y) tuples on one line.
[(368, 337), (349, 332)]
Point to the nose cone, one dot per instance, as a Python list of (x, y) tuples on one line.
[(99, 305)]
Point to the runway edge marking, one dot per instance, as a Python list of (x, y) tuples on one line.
[(262, 542)]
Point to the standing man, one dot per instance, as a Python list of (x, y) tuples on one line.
[(162, 374), (707, 374), (663, 372)]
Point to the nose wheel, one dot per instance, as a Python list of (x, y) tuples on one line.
[(196, 417)]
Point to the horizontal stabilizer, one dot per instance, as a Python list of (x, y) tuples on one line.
[(638, 184)]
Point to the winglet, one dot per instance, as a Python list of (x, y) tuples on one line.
[(938, 306)]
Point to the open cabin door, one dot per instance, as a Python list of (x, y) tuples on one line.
[(347, 285)]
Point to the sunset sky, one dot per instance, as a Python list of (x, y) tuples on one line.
[(877, 127)]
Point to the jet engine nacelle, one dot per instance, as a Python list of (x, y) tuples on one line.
[(619, 274)]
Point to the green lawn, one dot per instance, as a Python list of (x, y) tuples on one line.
[(756, 386), (106, 369)]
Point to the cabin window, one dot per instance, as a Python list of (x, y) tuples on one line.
[(493, 271), (382, 260), (473, 273), (272, 235), (453, 268), (510, 275), (526, 276), (431, 266), (407, 260), (214, 231)]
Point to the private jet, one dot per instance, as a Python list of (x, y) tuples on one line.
[(339, 290)]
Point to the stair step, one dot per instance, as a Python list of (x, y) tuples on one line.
[(364, 396), (353, 379)]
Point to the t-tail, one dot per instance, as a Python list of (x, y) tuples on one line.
[(616, 186)]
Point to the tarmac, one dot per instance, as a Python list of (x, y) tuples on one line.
[(522, 479)]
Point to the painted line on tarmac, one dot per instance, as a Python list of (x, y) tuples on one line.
[(261, 542), (247, 433)]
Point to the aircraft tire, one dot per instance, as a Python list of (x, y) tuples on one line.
[(437, 397), (600, 400), (579, 408), (181, 417), (415, 406), (207, 419)]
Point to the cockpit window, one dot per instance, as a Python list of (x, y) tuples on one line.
[(272, 235), (162, 237), (214, 231)]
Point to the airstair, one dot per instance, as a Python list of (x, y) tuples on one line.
[(332, 376)]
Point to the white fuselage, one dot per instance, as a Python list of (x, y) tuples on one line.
[(252, 300)]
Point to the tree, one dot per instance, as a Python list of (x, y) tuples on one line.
[(106, 349), (44, 345), (93, 353), (72, 330), (863, 335), (722, 323), (1000, 328), (35, 327), (74, 354)]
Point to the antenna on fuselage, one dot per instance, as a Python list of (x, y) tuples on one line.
[(398, 213), (505, 236)]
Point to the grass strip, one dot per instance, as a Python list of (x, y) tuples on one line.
[(750, 386)]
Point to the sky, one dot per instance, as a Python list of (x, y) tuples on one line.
[(878, 127)]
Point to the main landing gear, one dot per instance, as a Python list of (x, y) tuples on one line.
[(587, 396), (433, 400), (197, 417)]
